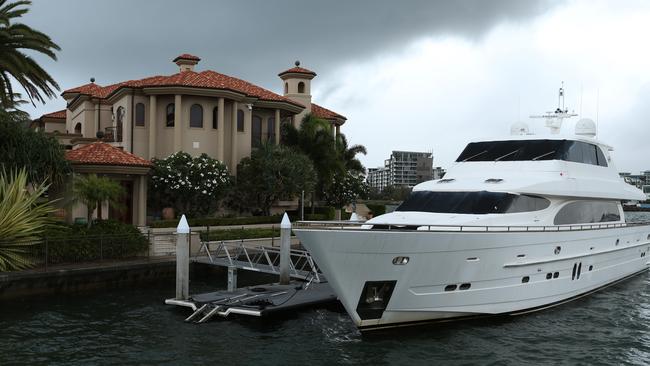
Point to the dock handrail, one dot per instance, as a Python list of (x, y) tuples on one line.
[(352, 225)]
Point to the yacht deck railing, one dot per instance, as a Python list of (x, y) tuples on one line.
[(353, 225)]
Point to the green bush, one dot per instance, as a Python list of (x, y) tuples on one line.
[(220, 221), (376, 209), (237, 234), (104, 240)]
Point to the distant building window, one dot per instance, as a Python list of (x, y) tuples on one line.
[(139, 114), (301, 87), (286, 88), (240, 120), (170, 115), (215, 118), (270, 129), (256, 132), (196, 116), (77, 128)]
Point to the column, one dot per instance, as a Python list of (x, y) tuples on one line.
[(233, 142), (127, 129), (277, 127), (142, 201), (97, 127), (178, 123), (221, 127), (153, 126), (334, 131)]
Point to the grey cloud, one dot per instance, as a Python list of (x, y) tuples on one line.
[(120, 39)]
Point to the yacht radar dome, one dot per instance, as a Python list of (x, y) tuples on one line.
[(586, 127), (519, 128)]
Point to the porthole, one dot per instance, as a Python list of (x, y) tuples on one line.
[(399, 261), (525, 279), (465, 286), (648, 238), (450, 288), (617, 241), (591, 267), (556, 274), (521, 256), (549, 276), (558, 249)]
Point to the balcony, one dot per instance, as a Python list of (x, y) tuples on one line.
[(113, 134)]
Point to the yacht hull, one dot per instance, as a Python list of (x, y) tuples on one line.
[(457, 274)]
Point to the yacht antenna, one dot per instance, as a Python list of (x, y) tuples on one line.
[(554, 119)]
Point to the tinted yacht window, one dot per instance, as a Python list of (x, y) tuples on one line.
[(585, 212), (471, 202), (519, 150)]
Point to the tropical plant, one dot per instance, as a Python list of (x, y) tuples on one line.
[(192, 185), (16, 64), (23, 216), (270, 174), (22, 148), (349, 154), (92, 190), (345, 188)]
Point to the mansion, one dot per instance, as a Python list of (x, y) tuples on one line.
[(191, 110)]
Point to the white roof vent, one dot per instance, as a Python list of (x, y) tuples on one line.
[(519, 128), (586, 127)]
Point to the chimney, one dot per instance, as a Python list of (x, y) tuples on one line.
[(186, 62)]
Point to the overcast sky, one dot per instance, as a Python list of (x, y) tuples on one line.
[(408, 75)]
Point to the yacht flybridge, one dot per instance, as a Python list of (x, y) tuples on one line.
[(516, 225)]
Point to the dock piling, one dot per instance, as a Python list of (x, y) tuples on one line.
[(232, 278), (285, 249), (182, 259)]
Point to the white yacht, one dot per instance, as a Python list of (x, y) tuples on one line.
[(517, 225)]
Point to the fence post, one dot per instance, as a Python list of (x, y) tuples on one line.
[(285, 249)]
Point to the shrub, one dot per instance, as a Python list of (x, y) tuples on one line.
[(221, 221), (237, 234), (376, 209), (104, 240)]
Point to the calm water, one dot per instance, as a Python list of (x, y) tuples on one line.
[(133, 326)]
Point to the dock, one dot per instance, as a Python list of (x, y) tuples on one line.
[(301, 283)]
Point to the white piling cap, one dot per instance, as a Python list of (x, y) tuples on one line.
[(354, 217), (183, 227), (286, 223)]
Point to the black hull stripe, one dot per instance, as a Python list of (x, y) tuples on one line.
[(483, 316)]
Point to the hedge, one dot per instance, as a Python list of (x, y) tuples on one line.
[(104, 240), (237, 234), (220, 221)]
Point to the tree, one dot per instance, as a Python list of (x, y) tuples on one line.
[(348, 155), (193, 185), (42, 156), (345, 188), (14, 63), (270, 174), (93, 190), (23, 216)]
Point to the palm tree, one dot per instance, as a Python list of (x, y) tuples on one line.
[(92, 190), (15, 37), (348, 155), (23, 216)]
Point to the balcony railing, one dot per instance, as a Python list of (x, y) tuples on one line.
[(113, 134)]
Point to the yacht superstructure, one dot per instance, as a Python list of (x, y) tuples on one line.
[(517, 224)]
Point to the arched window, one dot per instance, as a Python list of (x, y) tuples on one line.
[(240, 120), (77, 128), (286, 88), (215, 118), (256, 132), (139, 114), (301, 87), (170, 115), (270, 129), (120, 123), (196, 116)]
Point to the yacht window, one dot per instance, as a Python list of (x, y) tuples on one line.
[(482, 202), (584, 212), (521, 150)]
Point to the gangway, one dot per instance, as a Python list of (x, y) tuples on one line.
[(249, 256)]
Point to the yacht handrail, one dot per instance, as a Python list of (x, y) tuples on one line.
[(350, 225)]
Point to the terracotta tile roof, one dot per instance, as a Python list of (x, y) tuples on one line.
[(206, 79), (101, 153), (324, 113), (297, 70), (57, 114), (187, 56)]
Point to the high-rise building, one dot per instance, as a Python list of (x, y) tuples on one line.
[(404, 168)]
